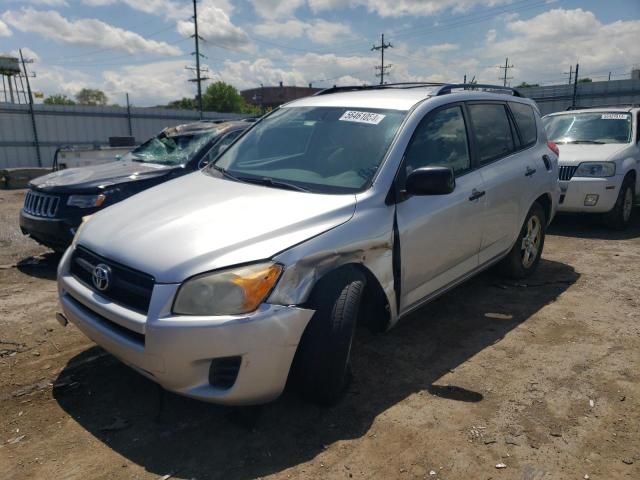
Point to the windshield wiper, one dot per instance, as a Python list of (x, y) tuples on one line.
[(592, 142), (227, 174), (274, 183)]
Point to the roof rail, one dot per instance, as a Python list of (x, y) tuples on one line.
[(478, 86), (355, 88)]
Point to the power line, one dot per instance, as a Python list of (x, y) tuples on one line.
[(382, 68)]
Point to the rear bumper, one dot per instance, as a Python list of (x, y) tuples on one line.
[(575, 191), (177, 352), (56, 233)]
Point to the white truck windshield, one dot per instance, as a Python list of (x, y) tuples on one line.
[(597, 128)]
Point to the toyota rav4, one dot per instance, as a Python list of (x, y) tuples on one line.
[(354, 205)]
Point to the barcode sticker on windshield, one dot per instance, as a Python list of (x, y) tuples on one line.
[(614, 116), (362, 117)]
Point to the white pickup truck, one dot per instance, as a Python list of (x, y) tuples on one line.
[(599, 161)]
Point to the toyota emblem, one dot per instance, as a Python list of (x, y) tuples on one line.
[(101, 277)]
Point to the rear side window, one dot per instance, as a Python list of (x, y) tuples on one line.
[(526, 120), (492, 131)]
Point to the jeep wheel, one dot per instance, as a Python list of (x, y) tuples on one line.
[(525, 255), (620, 216), (321, 366)]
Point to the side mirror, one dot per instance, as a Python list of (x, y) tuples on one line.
[(431, 181)]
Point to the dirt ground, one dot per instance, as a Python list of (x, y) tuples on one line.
[(541, 376)]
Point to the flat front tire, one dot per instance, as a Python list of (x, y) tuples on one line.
[(321, 366), (525, 255)]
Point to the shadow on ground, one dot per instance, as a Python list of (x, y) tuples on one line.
[(42, 266), (189, 439), (592, 227)]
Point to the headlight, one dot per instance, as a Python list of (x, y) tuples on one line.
[(596, 169), (84, 221), (227, 292), (86, 201)]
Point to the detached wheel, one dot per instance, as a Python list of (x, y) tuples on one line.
[(620, 216), (525, 255), (321, 366)]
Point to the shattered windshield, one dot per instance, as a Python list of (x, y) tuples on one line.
[(594, 128), (172, 149), (318, 149)]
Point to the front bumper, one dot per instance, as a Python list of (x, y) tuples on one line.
[(575, 191), (177, 352), (56, 233)]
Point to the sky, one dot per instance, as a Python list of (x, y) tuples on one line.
[(144, 47)]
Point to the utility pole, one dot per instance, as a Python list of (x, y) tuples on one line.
[(129, 116), (382, 67), (570, 73), (575, 86), (199, 78), (31, 111), (506, 69), (465, 79)]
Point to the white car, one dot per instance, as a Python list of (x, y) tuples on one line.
[(599, 160)]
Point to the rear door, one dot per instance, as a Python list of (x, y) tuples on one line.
[(439, 234), (503, 167)]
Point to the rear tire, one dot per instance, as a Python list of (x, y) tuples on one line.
[(321, 367), (620, 216), (525, 255)]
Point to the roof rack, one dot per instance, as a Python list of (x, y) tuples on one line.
[(444, 88), (478, 86)]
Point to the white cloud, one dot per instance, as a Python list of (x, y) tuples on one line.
[(170, 9), (401, 8), (85, 32), (442, 48), (47, 3), (318, 31), (27, 53), (276, 9), (215, 26), (4, 30)]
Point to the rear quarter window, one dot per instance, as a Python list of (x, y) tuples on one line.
[(526, 120), (492, 131)]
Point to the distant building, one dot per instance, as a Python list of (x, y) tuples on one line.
[(635, 74), (271, 97)]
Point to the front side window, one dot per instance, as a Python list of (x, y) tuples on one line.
[(492, 131), (526, 120), (589, 127), (171, 148), (440, 140), (321, 149)]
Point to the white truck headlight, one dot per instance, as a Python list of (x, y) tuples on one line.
[(227, 292), (86, 201), (596, 169)]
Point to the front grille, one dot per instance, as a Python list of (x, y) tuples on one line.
[(41, 205), (567, 172), (127, 287), (224, 371)]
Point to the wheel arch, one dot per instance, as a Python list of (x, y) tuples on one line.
[(547, 205)]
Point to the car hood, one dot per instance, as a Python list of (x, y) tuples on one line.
[(573, 154), (199, 223), (92, 177)]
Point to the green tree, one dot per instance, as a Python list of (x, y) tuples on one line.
[(58, 99), (185, 103), (90, 96), (585, 80), (222, 97), (525, 85)]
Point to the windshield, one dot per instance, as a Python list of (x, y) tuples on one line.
[(171, 149), (603, 127), (320, 149)]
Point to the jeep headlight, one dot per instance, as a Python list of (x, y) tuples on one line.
[(227, 292), (596, 169), (86, 201)]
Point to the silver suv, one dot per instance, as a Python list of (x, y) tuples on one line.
[(354, 205)]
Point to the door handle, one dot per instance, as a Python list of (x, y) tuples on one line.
[(475, 194), (530, 171)]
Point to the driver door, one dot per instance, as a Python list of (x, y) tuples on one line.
[(440, 235)]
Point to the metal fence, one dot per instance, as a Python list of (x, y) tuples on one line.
[(555, 98), (82, 125), (58, 125)]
